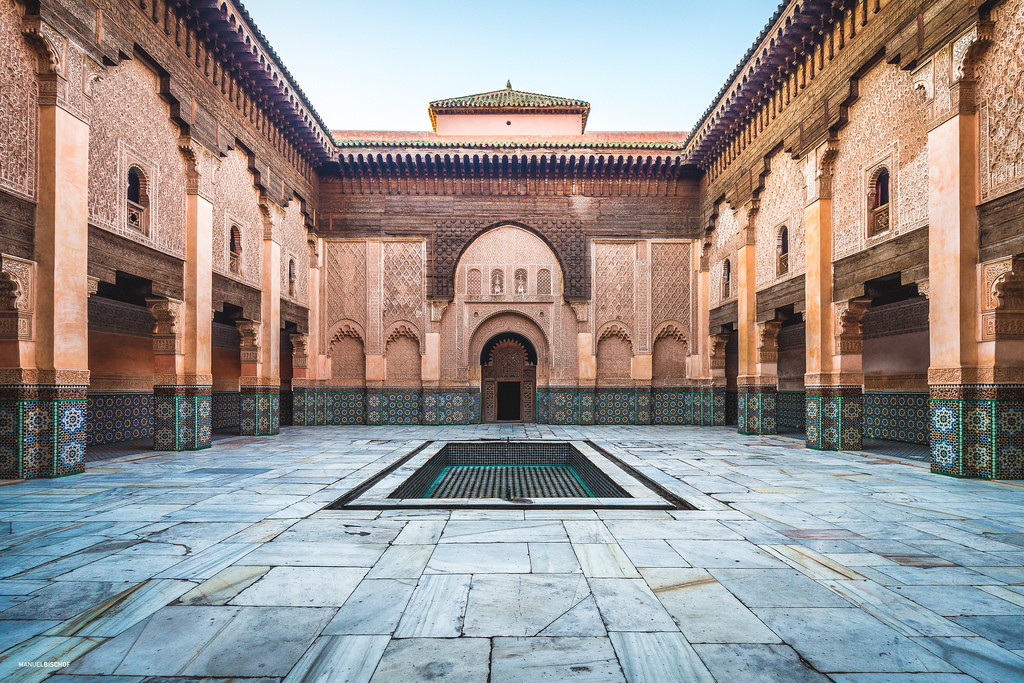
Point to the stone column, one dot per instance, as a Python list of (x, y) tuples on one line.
[(976, 378), (712, 410), (182, 333), (44, 329), (758, 398), (181, 412), (584, 402), (758, 349), (260, 382), (834, 396), (699, 361), (309, 378)]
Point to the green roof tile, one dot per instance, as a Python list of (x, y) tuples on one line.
[(506, 99)]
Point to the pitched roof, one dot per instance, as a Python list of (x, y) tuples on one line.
[(508, 100)]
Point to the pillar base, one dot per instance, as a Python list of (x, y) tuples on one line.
[(835, 418), (182, 417), (260, 411), (757, 410), (977, 431), (42, 431)]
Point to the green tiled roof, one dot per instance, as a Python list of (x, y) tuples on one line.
[(508, 99)]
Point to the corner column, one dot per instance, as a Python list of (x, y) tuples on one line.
[(976, 378), (44, 330), (758, 349)]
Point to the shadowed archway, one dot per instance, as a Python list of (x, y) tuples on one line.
[(508, 364)]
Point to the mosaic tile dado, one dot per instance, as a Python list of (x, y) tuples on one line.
[(182, 418), (835, 418), (790, 410), (756, 410), (42, 438), (896, 417), (977, 431), (226, 409), (260, 411), (112, 418)]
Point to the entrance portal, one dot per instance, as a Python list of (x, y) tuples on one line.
[(509, 379)]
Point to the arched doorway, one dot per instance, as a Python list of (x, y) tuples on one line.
[(508, 363)]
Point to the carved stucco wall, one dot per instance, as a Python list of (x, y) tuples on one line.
[(17, 106), (344, 286), (348, 362), (1001, 104), (887, 126), (782, 204), (670, 284), (294, 248), (508, 249), (236, 202), (725, 242), (614, 284), (403, 362), (131, 125)]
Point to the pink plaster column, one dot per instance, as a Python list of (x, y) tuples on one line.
[(44, 397)]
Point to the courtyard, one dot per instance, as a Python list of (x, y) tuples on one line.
[(796, 565)]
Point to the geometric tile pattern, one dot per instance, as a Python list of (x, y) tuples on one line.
[(732, 406), (790, 409), (111, 418), (896, 417), (977, 431), (260, 411), (42, 436), (835, 418), (226, 409), (757, 410), (451, 407), (182, 418), (616, 406), (393, 407)]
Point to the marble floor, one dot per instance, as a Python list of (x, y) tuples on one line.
[(796, 566)]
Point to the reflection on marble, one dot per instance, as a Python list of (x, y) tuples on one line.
[(224, 585), (531, 660), (604, 560), (479, 558), (374, 607), (303, 587), (462, 660), (520, 604), (649, 657), (339, 658), (437, 607), (704, 610), (124, 610), (629, 605)]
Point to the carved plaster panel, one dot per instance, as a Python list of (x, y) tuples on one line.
[(18, 106), (887, 125), (781, 204), (131, 125), (1000, 96), (17, 297), (236, 202)]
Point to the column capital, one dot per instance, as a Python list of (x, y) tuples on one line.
[(300, 350), (848, 317), (250, 331), (168, 324)]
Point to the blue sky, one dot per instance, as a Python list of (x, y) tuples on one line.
[(642, 65)]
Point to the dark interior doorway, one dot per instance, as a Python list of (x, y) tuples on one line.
[(509, 394), (508, 379)]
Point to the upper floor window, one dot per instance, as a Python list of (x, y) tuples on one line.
[(291, 278), (138, 201), (520, 282), (235, 248), (497, 282), (782, 248), (473, 282), (543, 282), (726, 279), (878, 202)]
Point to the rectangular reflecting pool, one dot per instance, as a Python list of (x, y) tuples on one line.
[(498, 474), (509, 470)]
